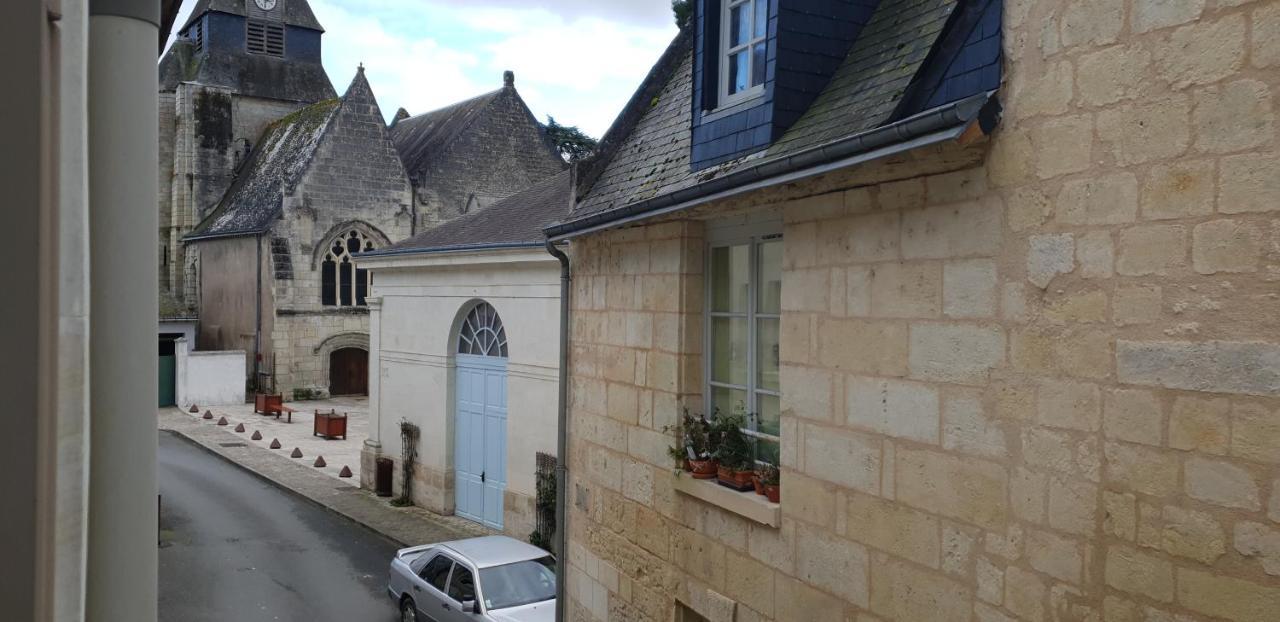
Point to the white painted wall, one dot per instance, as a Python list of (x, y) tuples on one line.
[(209, 378), (422, 302)]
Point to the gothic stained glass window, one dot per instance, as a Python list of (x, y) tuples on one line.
[(482, 333), (341, 283)]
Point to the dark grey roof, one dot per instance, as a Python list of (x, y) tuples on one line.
[(650, 155), (296, 12), (517, 220), (272, 171), (255, 75), (418, 138)]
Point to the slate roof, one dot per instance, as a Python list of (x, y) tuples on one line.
[(517, 220), (420, 137), (649, 156), (296, 12), (256, 75), (272, 171)]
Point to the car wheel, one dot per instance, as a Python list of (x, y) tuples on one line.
[(408, 610)]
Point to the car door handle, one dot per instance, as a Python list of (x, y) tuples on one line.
[(482, 477), (417, 589), (445, 605)]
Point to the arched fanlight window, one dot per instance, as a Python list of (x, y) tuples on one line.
[(341, 283), (482, 333)]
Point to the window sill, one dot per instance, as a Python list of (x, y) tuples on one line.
[(746, 504), (748, 101)]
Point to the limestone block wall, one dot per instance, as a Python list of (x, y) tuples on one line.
[(354, 182), (1038, 385)]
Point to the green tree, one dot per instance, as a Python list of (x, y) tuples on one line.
[(572, 143), (683, 10)]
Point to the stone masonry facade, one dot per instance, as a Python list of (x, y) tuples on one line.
[(1035, 378)]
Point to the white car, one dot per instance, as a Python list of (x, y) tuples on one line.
[(491, 578)]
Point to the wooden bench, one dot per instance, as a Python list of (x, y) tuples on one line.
[(272, 405), (330, 425)]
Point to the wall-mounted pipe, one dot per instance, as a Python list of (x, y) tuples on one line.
[(562, 437)]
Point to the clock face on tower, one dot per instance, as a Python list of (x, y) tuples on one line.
[(265, 5)]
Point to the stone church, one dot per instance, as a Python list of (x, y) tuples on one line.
[(270, 184)]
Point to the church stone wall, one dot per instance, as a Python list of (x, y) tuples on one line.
[(501, 153), (355, 181), (199, 156)]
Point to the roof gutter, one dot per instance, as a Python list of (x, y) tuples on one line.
[(200, 237), (457, 248), (944, 123)]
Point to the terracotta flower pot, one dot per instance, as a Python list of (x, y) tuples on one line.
[(755, 481), (772, 492), (737, 480), (703, 469)]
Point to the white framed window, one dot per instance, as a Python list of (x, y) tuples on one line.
[(743, 325), (744, 26)]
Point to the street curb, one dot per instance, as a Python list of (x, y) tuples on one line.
[(282, 486), (408, 526)]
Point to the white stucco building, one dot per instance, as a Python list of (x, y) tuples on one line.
[(464, 343)]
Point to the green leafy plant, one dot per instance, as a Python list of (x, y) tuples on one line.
[(693, 435), (768, 474), (733, 448)]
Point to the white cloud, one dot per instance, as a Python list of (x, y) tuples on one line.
[(577, 60)]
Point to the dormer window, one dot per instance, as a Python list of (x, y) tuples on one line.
[(744, 26)]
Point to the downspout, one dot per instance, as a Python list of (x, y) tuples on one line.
[(257, 318), (562, 436)]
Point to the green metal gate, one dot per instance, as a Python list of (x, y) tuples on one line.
[(168, 369)]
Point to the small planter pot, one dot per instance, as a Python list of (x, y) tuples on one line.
[(703, 469), (772, 492), (737, 480), (759, 486)]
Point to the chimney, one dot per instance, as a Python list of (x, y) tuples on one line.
[(508, 78)]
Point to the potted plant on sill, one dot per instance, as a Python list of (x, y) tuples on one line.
[(733, 451), (770, 479), (695, 451)]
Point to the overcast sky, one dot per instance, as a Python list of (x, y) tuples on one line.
[(577, 60)]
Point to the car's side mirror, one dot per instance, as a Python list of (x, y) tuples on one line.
[(471, 605)]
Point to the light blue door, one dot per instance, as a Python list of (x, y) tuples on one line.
[(480, 447)]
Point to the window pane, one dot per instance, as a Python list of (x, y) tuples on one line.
[(757, 64), (344, 283), (769, 291), (728, 400), (362, 286), (437, 571), (328, 283), (729, 268), (767, 451), (739, 25), (729, 350), (738, 72), (768, 412), (762, 17), (461, 585), (767, 353)]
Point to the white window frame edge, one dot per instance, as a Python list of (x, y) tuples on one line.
[(751, 230), (725, 99)]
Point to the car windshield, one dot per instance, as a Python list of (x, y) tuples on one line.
[(521, 583)]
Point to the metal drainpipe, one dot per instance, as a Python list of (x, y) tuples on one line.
[(562, 437), (257, 318), (124, 126)]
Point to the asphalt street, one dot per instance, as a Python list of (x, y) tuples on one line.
[(235, 548)]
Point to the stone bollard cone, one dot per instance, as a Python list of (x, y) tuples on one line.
[(257, 436), (297, 453), (275, 443), (208, 414), (345, 472), (239, 427), (222, 421), (319, 462), (194, 409)]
